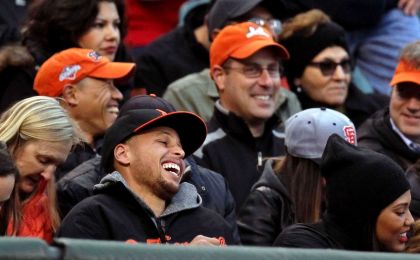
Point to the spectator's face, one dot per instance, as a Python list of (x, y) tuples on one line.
[(329, 89), (97, 105), (405, 110), (104, 35), (393, 224), (253, 98), (156, 161), (37, 160), (6, 187)]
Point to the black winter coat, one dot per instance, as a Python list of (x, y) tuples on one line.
[(172, 56), (311, 236), (267, 210), (377, 134), (211, 186), (115, 213), (231, 150)]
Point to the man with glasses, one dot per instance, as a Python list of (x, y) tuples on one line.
[(197, 92), (395, 131), (245, 64)]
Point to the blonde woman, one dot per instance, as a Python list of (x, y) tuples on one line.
[(39, 135)]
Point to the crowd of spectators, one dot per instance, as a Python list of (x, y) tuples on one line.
[(212, 122)]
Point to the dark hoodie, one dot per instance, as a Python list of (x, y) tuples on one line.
[(270, 199), (117, 213)]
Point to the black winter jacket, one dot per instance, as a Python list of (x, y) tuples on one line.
[(211, 186), (116, 213), (377, 134), (231, 150), (317, 235), (77, 156), (170, 57), (267, 210)]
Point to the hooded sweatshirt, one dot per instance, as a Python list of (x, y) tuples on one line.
[(117, 213)]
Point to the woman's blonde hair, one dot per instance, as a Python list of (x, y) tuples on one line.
[(38, 118)]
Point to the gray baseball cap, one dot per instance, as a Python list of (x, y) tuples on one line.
[(307, 131)]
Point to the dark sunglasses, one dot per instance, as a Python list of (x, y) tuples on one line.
[(407, 90), (329, 67)]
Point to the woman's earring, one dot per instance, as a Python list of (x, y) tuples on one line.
[(299, 89)]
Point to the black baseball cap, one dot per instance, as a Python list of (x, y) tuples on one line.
[(191, 129), (146, 102)]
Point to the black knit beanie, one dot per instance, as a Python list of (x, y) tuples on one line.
[(303, 47), (360, 184)]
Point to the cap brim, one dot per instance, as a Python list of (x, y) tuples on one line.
[(251, 48), (113, 70), (191, 129), (409, 76)]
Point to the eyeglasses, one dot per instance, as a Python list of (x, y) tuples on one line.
[(273, 24), (329, 67), (254, 70), (407, 90)]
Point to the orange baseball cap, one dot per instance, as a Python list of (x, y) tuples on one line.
[(74, 64), (405, 72), (240, 41)]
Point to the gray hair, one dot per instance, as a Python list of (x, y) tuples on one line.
[(411, 54)]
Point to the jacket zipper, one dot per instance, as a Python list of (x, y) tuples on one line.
[(260, 159)]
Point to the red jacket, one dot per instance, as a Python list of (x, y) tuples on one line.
[(36, 221)]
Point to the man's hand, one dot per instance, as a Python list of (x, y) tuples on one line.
[(206, 241), (409, 7)]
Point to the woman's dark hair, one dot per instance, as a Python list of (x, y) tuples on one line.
[(302, 179), (9, 210), (56, 25)]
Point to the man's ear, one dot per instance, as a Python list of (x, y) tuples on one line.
[(121, 154), (218, 74), (70, 95)]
